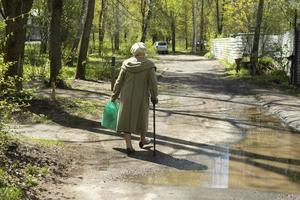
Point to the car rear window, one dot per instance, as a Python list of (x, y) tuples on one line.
[(162, 43)]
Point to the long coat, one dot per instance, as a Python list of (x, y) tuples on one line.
[(136, 83)]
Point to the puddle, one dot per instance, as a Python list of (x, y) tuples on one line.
[(268, 159)]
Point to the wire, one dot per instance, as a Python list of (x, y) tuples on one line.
[(19, 16)]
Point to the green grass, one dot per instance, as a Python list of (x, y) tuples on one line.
[(96, 69), (35, 171), (44, 142), (5, 139), (31, 172), (10, 193), (80, 107)]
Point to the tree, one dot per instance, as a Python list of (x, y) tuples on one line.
[(255, 48), (80, 72), (186, 29), (102, 19), (202, 26), (117, 26), (219, 16), (82, 19), (56, 10), (194, 25), (173, 31), (146, 16), (41, 19), (16, 14)]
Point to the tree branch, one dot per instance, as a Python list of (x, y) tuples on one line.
[(2, 10)]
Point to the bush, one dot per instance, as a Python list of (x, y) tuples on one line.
[(265, 64), (209, 55), (12, 99), (278, 76), (100, 68)]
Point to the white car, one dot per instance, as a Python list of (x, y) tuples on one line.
[(161, 47)]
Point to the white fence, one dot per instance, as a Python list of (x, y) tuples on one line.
[(235, 47)]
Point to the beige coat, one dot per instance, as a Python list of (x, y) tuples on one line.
[(136, 83)]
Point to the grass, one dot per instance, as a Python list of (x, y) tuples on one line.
[(7, 190), (273, 78), (44, 142), (10, 193), (4, 140), (31, 172), (79, 106), (35, 171), (37, 66), (25, 116), (18, 174)]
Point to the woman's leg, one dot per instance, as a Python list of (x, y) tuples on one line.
[(143, 139), (127, 137)]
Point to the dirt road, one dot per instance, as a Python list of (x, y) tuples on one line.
[(214, 141)]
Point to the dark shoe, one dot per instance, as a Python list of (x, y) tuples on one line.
[(141, 144), (130, 151)]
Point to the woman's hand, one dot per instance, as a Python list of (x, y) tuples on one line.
[(154, 100), (112, 99)]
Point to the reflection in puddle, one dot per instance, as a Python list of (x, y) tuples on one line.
[(268, 159), (220, 170)]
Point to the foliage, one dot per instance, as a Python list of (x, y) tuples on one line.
[(209, 55), (12, 99), (265, 64), (2, 34), (278, 76), (238, 16), (271, 76), (5, 139)]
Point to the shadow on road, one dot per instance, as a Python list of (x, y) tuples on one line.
[(59, 116), (165, 159)]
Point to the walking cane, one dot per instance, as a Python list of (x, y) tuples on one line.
[(154, 135)]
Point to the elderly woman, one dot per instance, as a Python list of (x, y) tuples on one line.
[(136, 83)]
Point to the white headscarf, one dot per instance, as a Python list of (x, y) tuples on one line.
[(138, 49)]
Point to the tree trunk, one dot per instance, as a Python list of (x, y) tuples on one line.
[(145, 17), (117, 26), (255, 48), (94, 40), (44, 39), (56, 9), (102, 18), (220, 16), (202, 26), (186, 30), (82, 19), (16, 13), (45, 29), (80, 72), (194, 25), (173, 29), (154, 38)]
